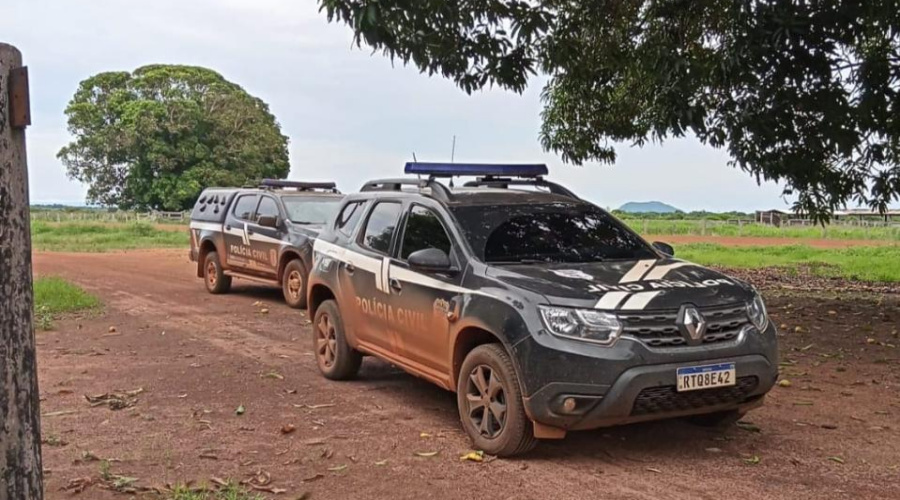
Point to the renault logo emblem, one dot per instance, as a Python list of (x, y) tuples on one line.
[(691, 323)]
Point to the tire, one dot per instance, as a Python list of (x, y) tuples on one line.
[(334, 356), (512, 432), (719, 419), (214, 276), (293, 284)]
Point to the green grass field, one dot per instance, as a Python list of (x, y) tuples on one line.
[(857, 263), (100, 237), (54, 297), (720, 228)]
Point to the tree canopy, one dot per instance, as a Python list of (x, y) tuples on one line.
[(154, 138), (801, 92)]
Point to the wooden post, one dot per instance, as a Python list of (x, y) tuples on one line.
[(20, 424)]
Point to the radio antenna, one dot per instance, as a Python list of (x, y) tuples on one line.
[(453, 150)]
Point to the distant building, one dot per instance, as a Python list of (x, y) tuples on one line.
[(772, 217)]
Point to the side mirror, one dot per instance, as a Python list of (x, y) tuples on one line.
[(664, 248), (430, 259), (268, 221)]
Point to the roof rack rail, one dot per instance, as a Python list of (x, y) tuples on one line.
[(504, 183), (299, 186), (438, 190)]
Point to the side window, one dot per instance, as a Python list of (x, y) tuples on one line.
[(424, 230), (267, 206), (349, 217), (243, 207), (380, 226)]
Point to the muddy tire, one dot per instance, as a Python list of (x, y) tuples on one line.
[(334, 356), (214, 276), (719, 419), (490, 403), (293, 284)]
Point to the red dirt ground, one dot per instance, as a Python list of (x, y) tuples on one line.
[(832, 434), (676, 239)]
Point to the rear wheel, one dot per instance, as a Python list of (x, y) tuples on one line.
[(293, 284), (214, 275), (719, 419), (490, 403), (336, 359)]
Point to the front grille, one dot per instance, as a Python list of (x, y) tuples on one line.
[(667, 399), (658, 328)]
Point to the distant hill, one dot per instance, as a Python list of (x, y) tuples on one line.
[(648, 207)]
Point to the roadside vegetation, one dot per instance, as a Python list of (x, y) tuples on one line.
[(55, 297), (732, 229), (863, 263), (98, 237)]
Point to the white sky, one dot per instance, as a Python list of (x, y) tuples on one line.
[(350, 115)]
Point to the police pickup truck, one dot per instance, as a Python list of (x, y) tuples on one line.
[(262, 234), (543, 312)]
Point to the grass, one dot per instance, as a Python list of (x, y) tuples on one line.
[(54, 297), (99, 237), (878, 264), (229, 492), (719, 228)]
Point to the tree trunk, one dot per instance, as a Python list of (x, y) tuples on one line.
[(20, 442)]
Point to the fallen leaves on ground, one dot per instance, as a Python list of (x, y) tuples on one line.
[(240, 410), (115, 400), (754, 460), (473, 456), (427, 454)]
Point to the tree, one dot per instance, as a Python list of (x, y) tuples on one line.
[(805, 93), (156, 137), (20, 417)]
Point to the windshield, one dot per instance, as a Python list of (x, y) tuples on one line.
[(550, 232), (309, 210)]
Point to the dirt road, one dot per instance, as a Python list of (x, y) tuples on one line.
[(832, 434)]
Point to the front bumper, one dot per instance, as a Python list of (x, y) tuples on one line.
[(630, 382)]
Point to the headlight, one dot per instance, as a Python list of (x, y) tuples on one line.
[(757, 312), (581, 324)]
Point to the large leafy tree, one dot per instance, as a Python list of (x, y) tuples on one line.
[(156, 137), (802, 92)]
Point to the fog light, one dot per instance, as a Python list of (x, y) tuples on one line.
[(569, 405)]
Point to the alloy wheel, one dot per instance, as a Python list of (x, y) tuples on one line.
[(326, 341), (486, 398)]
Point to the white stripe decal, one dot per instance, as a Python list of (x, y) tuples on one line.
[(639, 301), (397, 272), (659, 272), (245, 236), (610, 300), (207, 226), (638, 271), (385, 275)]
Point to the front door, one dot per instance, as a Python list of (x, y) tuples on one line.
[(421, 301), (237, 239), (265, 242)]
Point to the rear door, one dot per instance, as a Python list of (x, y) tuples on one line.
[(367, 258), (238, 251)]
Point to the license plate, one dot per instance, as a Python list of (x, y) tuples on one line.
[(692, 378)]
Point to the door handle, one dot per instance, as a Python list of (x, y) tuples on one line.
[(349, 267), (395, 284), (228, 227)]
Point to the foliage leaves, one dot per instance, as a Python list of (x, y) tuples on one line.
[(805, 93), (156, 137)]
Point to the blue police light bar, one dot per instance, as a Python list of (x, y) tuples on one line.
[(476, 169)]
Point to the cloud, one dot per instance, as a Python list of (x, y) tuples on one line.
[(351, 115)]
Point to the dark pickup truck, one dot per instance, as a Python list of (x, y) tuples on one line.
[(262, 234)]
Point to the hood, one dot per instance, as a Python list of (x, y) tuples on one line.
[(626, 285)]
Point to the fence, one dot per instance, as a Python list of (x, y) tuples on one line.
[(114, 217), (844, 230)]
